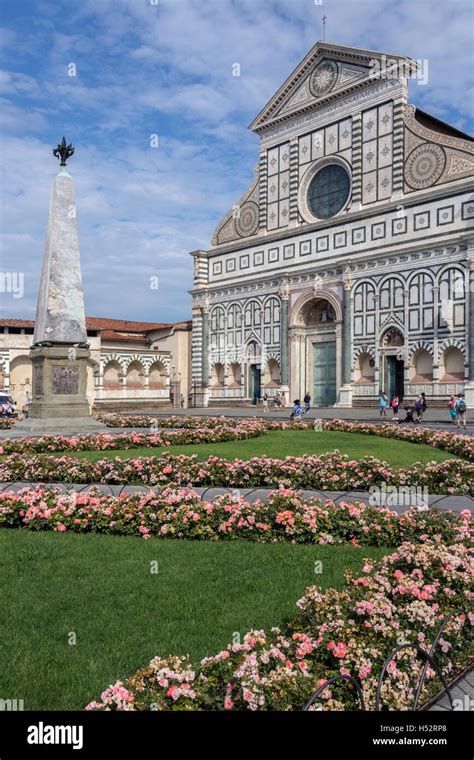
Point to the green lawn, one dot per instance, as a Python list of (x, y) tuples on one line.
[(101, 589), (279, 444)]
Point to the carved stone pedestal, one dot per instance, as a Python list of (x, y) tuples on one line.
[(345, 397), (59, 391), (469, 397)]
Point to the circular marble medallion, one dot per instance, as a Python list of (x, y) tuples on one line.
[(323, 78), (424, 166), (247, 221)]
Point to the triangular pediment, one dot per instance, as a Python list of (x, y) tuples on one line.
[(327, 72)]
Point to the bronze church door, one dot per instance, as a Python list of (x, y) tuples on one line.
[(395, 374), (324, 373)]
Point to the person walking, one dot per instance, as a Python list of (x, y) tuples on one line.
[(265, 402), (282, 400), (383, 400), (277, 401), (420, 407), (395, 404), (307, 402), (461, 411), (452, 409)]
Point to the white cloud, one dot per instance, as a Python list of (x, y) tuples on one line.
[(167, 69)]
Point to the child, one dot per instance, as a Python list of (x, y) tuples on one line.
[(395, 407)]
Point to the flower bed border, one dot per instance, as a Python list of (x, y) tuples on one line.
[(216, 429), (285, 516), (411, 594), (327, 472), (166, 684)]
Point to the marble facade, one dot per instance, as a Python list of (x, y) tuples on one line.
[(347, 268)]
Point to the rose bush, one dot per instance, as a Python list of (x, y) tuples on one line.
[(180, 513), (193, 430), (329, 472), (205, 433), (403, 598), (460, 445)]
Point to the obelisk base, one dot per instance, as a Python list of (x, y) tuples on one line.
[(59, 391)]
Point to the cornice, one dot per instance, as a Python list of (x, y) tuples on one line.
[(382, 263), (417, 198), (318, 52)]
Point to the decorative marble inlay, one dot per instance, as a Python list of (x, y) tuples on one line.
[(247, 221), (323, 78), (424, 166), (65, 380)]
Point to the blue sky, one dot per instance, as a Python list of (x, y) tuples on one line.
[(164, 67)]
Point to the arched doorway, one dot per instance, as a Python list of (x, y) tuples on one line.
[(392, 370), (320, 315), (254, 368), (315, 337)]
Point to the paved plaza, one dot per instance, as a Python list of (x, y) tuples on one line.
[(435, 419)]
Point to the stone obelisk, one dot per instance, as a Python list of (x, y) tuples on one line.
[(60, 351)]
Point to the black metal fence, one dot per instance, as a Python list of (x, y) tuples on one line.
[(428, 656)]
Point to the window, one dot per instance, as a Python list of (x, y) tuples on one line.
[(329, 191)]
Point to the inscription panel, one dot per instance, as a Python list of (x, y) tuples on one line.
[(38, 380), (65, 380)]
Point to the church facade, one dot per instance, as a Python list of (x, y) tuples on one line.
[(347, 268)]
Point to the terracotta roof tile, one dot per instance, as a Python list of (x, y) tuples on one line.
[(129, 338), (106, 324)]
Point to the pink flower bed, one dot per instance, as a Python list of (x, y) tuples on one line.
[(194, 430), (207, 432), (329, 472), (179, 513), (403, 598)]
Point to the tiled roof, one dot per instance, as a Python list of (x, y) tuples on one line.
[(107, 325), (128, 338), (126, 325), (17, 323)]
